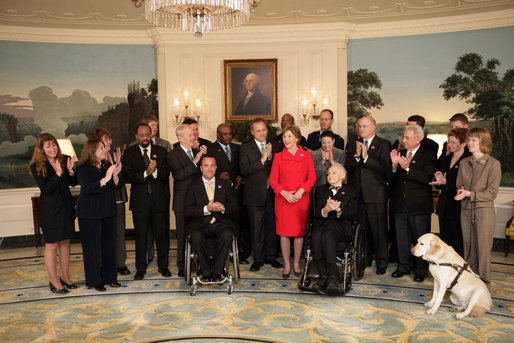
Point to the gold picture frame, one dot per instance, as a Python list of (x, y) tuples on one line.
[(251, 89)]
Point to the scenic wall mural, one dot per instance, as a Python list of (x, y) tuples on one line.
[(66, 90), (394, 78)]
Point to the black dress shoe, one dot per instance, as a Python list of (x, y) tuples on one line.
[(381, 271), (275, 264), (56, 290), (419, 278), (397, 274), (181, 273), (320, 285), (243, 261), (256, 266), (139, 275), (165, 272), (68, 285), (124, 270), (100, 288), (332, 286), (115, 284)]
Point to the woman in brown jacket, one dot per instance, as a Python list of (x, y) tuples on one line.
[(477, 186)]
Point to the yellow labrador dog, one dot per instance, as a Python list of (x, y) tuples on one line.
[(450, 271)]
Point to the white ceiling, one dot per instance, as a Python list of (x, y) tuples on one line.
[(122, 14)]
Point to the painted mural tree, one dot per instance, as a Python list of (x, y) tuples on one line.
[(361, 96), (491, 96)]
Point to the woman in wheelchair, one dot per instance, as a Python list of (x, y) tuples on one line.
[(335, 205)]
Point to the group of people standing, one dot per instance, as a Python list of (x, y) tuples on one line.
[(264, 193)]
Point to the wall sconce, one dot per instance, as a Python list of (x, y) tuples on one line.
[(309, 104), (184, 107)]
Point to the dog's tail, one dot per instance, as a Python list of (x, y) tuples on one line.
[(478, 310)]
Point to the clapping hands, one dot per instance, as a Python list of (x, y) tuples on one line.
[(440, 179), (213, 206), (332, 205)]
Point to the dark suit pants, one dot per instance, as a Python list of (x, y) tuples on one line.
[(180, 223), (244, 237), (223, 235), (324, 244), (121, 248), (98, 238), (149, 218), (408, 229), (262, 227), (451, 233), (373, 218)]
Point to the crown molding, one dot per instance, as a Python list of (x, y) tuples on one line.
[(435, 25), (54, 35), (266, 34), (258, 35)]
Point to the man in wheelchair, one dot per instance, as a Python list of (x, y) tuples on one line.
[(208, 207), (335, 205)]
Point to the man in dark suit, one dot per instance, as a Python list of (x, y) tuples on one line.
[(183, 161), (145, 167), (199, 141), (368, 163), (210, 203), (326, 119), (411, 199), (256, 158), (253, 102), (288, 120), (426, 143), (226, 154)]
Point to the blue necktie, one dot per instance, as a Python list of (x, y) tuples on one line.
[(190, 154)]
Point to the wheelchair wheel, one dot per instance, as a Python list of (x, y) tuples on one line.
[(230, 285), (359, 253), (194, 287), (188, 264)]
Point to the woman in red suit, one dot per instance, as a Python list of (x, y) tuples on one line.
[(292, 177)]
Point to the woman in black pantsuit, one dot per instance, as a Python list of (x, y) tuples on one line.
[(54, 174), (448, 209), (96, 210)]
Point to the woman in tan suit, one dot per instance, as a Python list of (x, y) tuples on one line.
[(477, 186)]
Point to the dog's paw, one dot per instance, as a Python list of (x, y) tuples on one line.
[(429, 304), (460, 315), (431, 311), (456, 309)]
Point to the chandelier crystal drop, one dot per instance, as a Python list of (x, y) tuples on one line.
[(199, 16)]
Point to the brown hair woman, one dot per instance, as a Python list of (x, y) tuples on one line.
[(96, 211), (54, 174)]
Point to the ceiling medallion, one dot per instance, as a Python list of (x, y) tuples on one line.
[(198, 16)]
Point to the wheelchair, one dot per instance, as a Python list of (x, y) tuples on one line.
[(227, 278), (350, 261)]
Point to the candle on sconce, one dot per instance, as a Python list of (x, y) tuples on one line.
[(325, 102), (313, 91), (304, 103), (198, 103), (186, 96), (176, 103)]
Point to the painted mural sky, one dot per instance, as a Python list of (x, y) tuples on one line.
[(411, 68), (101, 70)]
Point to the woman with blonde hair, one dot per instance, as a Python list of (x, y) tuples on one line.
[(96, 211), (54, 175), (478, 181)]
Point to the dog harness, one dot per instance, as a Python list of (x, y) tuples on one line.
[(459, 269)]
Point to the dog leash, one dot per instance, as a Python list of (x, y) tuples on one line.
[(459, 269)]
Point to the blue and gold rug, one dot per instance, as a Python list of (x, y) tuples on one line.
[(263, 308)]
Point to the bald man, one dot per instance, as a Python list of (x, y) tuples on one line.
[(288, 120), (253, 101)]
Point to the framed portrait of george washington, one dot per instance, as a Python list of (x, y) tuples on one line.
[(251, 89)]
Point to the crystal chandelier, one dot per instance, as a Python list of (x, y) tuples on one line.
[(198, 16)]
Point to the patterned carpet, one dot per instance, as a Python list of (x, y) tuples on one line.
[(263, 308)]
